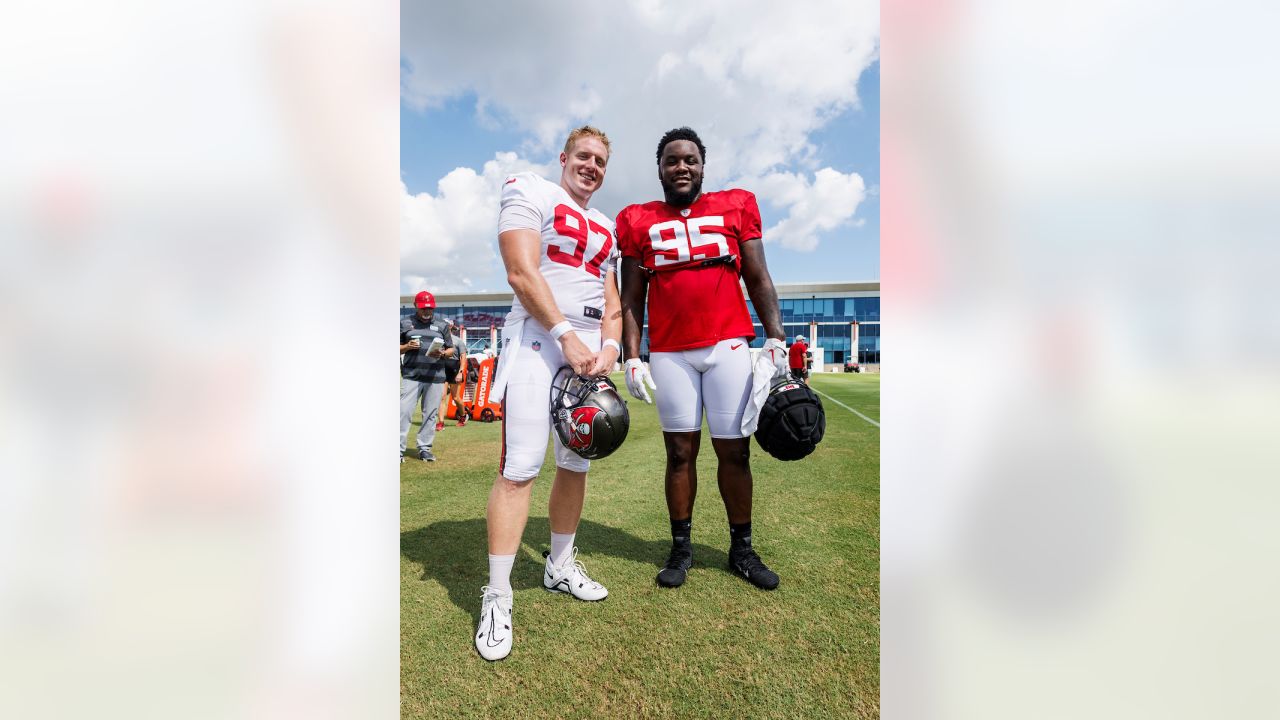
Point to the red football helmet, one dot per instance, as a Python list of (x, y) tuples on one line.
[(589, 415)]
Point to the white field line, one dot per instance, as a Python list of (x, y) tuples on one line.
[(846, 407)]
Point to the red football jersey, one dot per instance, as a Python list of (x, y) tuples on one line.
[(795, 355), (694, 255)]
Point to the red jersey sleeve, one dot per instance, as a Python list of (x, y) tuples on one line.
[(622, 231), (749, 223)]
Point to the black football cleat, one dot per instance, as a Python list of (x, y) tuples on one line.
[(674, 572), (746, 564)]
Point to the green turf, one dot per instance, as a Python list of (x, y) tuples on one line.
[(858, 391), (716, 647)]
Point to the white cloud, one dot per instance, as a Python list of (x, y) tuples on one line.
[(824, 204), (450, 237), (755, 79)]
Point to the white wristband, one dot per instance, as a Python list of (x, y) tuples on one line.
[(559, 329), (611, 342)]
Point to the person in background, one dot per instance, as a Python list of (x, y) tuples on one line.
[(422, 371), (457, 374), (796, 359)]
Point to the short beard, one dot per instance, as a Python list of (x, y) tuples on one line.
[(682, 199)]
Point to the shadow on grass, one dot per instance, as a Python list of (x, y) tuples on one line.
[(454, 553)]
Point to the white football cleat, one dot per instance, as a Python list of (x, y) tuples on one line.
[(572, 578), (493, 636)]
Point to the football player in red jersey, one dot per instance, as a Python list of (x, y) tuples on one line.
[(687, 254)]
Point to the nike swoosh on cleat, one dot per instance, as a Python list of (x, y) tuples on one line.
[(493, 627)]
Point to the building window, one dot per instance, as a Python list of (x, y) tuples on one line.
[(797, 313)]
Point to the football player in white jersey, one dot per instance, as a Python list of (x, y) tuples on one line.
[(560, 258)]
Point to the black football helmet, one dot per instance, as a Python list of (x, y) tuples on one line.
[(792, 421), (589, 415)]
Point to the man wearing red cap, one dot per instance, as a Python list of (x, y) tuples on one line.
[(423, 371)]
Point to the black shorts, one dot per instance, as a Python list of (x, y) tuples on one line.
[(799, 373)]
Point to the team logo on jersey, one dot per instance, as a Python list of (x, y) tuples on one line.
[(535, 345), (582, 421)]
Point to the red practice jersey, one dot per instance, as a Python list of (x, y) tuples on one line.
[(694, 258), (795, 355)]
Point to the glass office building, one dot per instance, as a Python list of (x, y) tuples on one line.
[(823, 312)]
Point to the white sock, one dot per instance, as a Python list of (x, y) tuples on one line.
[(500, 571), (561, 548)]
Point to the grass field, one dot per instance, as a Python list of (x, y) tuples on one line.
[(716, 647)]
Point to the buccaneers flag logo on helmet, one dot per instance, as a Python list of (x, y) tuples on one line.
[(581, 421), (589, 416)]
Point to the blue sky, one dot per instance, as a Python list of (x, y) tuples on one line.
[(801, 130)]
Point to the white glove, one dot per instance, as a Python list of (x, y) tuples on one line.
[(637, 376), (762, 376), (776, 351)]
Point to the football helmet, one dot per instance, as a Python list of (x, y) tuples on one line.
[(792, 421), (589, 415)]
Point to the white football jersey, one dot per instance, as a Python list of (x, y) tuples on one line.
[(578, 246)]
